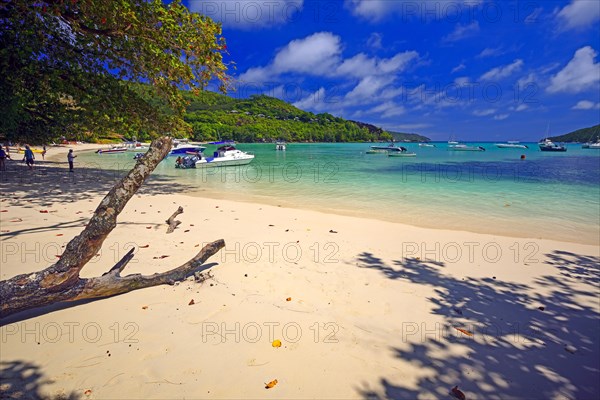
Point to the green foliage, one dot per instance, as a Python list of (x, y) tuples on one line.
[(262, 118), (409, 137), (591, 134), (73, 67)]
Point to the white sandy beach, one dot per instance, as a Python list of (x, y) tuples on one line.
[(373, 312)]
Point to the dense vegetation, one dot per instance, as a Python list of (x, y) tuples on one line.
[(262, 118), (591, 134), (83, 68)]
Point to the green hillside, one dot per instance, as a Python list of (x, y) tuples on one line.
[(591, 134), (214, 116), (409, 137)]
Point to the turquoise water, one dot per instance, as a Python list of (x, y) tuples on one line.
[(547, 195)]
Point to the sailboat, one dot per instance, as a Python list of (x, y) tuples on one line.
[(591, 144), (549, 145)]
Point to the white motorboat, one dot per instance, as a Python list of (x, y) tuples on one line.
[(135, 146), (549, 145), (225, 156), (280, 146), (426, 145), (389, 147), (112, 150), (511, 145), (464, 147)]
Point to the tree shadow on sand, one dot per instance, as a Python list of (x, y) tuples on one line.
[(49, 183), (24, 380), (526, 341)]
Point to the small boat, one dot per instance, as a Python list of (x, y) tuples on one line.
[(426, 145), (389, 147), (138, 156), (590, 145), (225, 156), (548, 145), (135, 146), (511, 145), (464, 147), (112, 150), (186, 162), (280, 146), (402, 154)]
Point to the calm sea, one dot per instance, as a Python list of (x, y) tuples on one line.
[(546, 195)]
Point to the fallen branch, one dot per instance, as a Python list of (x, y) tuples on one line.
[(171, 221), (61, 281)]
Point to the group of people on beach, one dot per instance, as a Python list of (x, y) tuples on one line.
[(29, 157)]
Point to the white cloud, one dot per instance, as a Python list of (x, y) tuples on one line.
[(388, 109), (503, 71), (316, 54), (586, 105), (580, 74), (521, 107), (579, 14), (490, 52), (248, 14), (526, 81), (484, 113), (314, 101), (461, 32), (367, 88), (320, 55), (463, 80), (360, 65), (459, 67), (500, 117), (424, 10), (374, 41)]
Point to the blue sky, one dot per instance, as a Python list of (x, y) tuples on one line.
[(472, 69)]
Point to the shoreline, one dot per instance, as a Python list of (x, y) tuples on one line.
[(460, 222), (373, 312)]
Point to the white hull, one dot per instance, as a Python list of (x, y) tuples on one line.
[(112, 151), (510, 146), (224, 162), (591, 146), (462, 147)]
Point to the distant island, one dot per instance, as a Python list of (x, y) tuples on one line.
[(591, 134), (261, 118)]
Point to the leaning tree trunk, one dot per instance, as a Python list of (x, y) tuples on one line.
[(61, 281)]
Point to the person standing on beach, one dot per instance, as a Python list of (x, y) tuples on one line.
[(44, 153), (29, 158), (3, 156), (70, 158)]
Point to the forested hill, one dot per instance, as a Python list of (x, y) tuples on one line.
[(260, 118), (591, 134)]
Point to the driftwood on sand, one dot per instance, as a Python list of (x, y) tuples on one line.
[(171, 221), (61, 281)]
